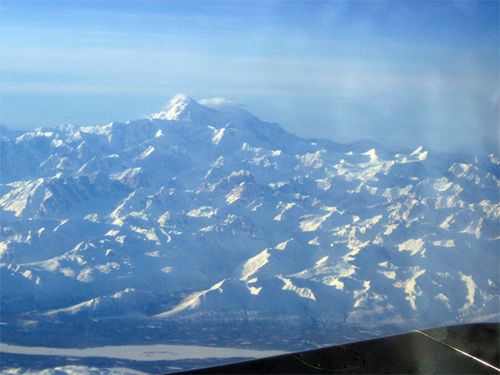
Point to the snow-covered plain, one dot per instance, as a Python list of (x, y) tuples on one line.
[(143, 352), (73, 370), (203, 211)]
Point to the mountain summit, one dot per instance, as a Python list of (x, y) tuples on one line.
[(183, 108), (205, 111)]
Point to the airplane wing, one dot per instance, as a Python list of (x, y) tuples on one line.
[(463, 349)]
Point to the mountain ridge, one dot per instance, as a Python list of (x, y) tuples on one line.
[(204, 212)]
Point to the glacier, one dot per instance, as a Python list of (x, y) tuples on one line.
[(167, 229)]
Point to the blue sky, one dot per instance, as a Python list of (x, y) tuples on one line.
[(402, 73)]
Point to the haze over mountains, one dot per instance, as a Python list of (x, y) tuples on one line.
[(203, 211)]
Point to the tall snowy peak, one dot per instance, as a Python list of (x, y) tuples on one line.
[(215, 111), (183, 108)]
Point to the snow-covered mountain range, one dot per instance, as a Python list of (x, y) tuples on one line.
[(204, 210)]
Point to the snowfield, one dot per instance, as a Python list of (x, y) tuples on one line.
[(143, 352)]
